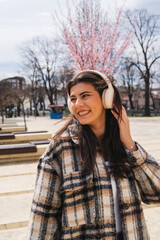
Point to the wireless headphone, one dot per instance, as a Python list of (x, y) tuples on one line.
[(107, 95)]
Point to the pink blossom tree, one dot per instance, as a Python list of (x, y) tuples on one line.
[(94, 41)]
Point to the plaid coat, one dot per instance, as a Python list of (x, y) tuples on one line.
[(70, 205)]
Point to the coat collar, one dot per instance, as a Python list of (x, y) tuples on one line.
[(70, 132)]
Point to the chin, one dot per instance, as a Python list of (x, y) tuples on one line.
[(83, 122)]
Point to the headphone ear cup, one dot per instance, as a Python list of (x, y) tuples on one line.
[(69, 105), (107, 97)]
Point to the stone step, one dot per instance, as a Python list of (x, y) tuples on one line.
[(18, 168), (14, 234), (15, 210), (17, 184)]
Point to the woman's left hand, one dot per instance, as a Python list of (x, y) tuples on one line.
[(124, 127)]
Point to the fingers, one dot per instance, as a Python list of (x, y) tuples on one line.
[(117, 116)]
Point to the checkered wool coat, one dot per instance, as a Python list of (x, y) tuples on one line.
[(70, 205)]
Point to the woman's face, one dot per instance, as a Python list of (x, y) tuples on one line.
[(86, 105)]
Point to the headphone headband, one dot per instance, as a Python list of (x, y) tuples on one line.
[(96, 72)]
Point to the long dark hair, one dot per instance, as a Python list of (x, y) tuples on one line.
[(110, 146)]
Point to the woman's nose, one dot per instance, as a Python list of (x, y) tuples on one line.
[(79, 102)]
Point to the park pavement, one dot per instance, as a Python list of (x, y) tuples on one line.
[(17, 179)]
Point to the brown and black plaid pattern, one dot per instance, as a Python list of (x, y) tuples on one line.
[(69, 204)]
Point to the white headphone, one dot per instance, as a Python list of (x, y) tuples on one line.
[(107, 95)]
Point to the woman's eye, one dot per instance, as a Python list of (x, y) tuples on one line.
[(85, 95), (72, 99)]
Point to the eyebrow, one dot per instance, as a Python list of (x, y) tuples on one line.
[(81, 93)]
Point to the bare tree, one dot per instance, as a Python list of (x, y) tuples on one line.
[(65, 74), (34, 87), (130, 78), (146, 47), (42, 56), (5, 96), (19, 96)]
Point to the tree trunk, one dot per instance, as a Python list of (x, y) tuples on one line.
[(30, 107), (18, 110), (36, 110), (147, 110), (44, 108), (2, 114), (153, 104), (36, 113), (24, 117), (130, 100), (50, 98)]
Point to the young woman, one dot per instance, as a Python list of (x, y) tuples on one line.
[(93, 177)]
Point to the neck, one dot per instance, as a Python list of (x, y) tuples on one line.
[(99, 131)]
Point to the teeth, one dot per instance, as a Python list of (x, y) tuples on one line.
[(83, 112)]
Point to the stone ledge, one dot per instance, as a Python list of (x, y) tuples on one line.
[(16, 193), (23, 156), (8, 125), (12, 129), (23, 138), (13, 225)]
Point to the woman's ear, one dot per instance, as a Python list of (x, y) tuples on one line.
[(69, 104)]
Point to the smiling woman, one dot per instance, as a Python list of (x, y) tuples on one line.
[(93, 177)]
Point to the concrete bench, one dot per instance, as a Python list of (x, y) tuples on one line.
[(7, 136), (40, 142), (12, 138), (18, 148), (12, 129), (26, 132), (24, 156), (12, 135)]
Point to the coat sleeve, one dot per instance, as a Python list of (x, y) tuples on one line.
[(44, 223), (147, 174)]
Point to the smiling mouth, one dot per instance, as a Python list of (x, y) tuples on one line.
[(83, 113)]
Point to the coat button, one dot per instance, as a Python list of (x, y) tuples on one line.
[(98, 237)]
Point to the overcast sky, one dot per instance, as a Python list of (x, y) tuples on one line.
[(21, 20)]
